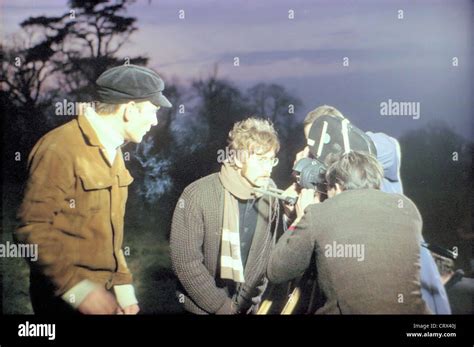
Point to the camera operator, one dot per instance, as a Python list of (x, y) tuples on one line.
[(365, 241), (389, 156)]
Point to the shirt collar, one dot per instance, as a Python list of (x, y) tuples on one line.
[(108, 137)]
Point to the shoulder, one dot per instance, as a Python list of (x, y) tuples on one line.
[(387, 146), (60, 140), (56, 145), (395, 204), (381, 139), (406, 206), (398, 200), (360, 197), (201, 197), (206, 187)]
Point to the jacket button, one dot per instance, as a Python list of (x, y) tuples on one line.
[(109, 285)]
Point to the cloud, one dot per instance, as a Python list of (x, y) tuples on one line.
[(14, 12), (263, 37), (388, 56)]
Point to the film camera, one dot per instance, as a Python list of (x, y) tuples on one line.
[(329, 136)]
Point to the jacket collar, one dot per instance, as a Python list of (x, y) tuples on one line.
[(88, 131), (92, 139)]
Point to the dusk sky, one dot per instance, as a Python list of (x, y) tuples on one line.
[(407, 60)]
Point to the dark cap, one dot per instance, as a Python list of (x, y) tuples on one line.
[(125, 83)]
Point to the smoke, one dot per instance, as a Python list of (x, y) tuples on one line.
[(156, 180)]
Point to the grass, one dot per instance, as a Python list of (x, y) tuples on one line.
[(16, 272)]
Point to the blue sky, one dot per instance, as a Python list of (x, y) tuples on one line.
[(407, 59)]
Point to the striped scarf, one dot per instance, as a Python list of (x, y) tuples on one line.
[(234, 187)]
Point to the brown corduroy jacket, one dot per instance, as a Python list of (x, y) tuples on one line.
[(74, 207)]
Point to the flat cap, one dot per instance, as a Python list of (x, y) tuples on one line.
[(125, 83)]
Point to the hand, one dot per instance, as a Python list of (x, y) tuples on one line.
[(306, 198), (301, 154), (132, 309), (446, 277), (292, 191), (228, 308), (98, 301)]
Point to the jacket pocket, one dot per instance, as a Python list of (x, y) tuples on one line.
[(91, 182), (124, 178), (94, 188)]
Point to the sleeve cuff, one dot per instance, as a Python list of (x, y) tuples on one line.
[(125, 295), (78, 293)]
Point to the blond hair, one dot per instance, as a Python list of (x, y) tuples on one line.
[(253, 135), (324, 110)]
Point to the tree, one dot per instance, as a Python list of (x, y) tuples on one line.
[(436, 171), (23, 78), (58, 57), (24, 72), (274, 102), (84, 42)]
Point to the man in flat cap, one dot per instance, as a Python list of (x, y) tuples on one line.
[(75, 197)]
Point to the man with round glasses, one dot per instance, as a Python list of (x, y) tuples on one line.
[(223, 229)]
